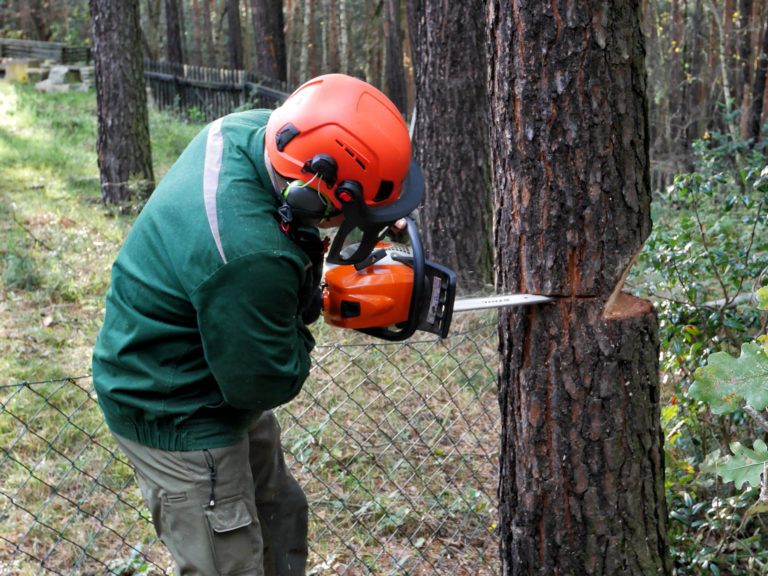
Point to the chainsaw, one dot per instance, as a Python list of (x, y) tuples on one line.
[(395, 291)]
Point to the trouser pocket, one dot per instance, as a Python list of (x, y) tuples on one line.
[(234, 536)]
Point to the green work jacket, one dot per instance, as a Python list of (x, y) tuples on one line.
[(202, 328)]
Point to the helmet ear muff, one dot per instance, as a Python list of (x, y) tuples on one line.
[(307, 204)]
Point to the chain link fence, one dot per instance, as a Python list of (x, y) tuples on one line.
[(395, 444)]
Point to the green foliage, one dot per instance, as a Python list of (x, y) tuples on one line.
[(743, 466), (704, 262), (726, 383)]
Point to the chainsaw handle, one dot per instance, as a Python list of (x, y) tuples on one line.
[(407, 329)]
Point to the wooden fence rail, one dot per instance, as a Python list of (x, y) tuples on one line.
[(208, 93)]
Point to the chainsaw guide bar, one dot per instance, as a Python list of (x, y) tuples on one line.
[(500, 301)]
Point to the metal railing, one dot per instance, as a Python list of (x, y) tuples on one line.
[(395, 445)]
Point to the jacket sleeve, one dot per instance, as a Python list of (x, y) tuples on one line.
[(254, 341)]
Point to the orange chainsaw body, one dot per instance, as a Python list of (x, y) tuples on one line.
[(391, 293), (376, 296)]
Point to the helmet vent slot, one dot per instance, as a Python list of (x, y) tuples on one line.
[(351, 153)]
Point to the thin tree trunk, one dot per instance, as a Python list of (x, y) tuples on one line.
[(306, 39), (153, 28), (235, 35), (582, 462), (210, 52), (395, 76), (333, 37), (744, 70), (343, 37), (196, 53), (759, 92), (314, 69), (173, 33)]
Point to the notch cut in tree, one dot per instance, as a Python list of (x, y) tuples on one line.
[(582, 464)]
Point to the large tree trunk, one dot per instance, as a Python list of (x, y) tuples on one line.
[(451, 135), (123, 146), (582, 464)]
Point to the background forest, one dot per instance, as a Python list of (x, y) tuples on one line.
[(706, 259)]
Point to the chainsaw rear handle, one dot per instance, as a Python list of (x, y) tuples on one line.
[(417, 262)]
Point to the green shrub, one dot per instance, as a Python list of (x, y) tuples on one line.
[(704, 264)]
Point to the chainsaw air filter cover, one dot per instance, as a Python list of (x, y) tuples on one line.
[(380, 296)]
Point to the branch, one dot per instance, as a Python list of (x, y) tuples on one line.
[(761, 420)]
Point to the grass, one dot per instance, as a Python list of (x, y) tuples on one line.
[(394, 443), (57, 241)]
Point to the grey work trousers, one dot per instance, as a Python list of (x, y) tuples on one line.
[(229, 511)]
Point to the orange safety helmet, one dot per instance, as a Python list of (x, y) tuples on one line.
[(342, 129)]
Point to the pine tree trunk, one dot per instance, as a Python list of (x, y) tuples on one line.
[(395, 76), (343, 37), (235, 40), (123, 146), (267, 18), (153, 28), (582, 463), (210, 51), (173, 33), (758, 92), (306, 39), (450, 138), (196, 53)]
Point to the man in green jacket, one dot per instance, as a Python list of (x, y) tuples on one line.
[(205, 329)]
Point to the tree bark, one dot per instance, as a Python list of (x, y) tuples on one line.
[(451, 136), (268, 27), (210, 57), (395, 76), (196, 53), (758, 92), (123, 146), (174, 51), (235, 40), (343, 37), (582, 463), (152, 29), (744, 64), (307, 32)]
